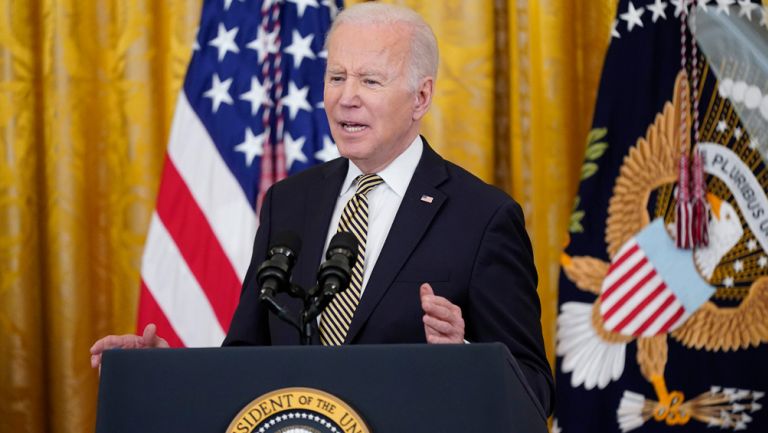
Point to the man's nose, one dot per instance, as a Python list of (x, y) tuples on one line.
[(350, 94)]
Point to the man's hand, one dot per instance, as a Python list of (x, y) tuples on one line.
[(443, 322), (149, 339)]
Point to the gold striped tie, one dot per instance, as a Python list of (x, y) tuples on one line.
[(334, 323)]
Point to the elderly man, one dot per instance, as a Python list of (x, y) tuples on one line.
[(444, 257)]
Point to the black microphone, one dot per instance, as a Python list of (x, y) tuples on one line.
[(273, 275), (334, 274)]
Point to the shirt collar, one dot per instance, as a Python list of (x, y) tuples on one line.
[(397, 175)]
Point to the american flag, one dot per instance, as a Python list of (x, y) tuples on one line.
[(250, 113)]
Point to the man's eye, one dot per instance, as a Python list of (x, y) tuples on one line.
[(370, 82), (335, 79)]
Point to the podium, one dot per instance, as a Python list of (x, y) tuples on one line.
[(394, 388)]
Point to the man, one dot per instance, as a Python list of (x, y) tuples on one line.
[(445, 257)]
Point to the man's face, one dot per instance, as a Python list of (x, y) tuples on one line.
[(373, 113)]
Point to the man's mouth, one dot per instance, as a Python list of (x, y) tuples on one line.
[(352, 127)]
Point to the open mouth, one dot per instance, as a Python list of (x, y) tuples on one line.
[(352, 127)]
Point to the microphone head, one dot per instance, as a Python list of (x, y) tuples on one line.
[(286, 240), (344, 243)]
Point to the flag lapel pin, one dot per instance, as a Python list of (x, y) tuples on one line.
[(427, 198)]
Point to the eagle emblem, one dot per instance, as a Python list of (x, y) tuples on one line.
[(713, 298)]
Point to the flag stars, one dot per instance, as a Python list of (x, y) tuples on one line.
[(703, 5), (754, 144), (333, 8), (746, 7), (301, 5), (252, 146), (721, 126), (679, 7), (264, 44), (300, 48), (764, 18), (329, 150), (258, 96), (632, 16), (614, 31), (225, 41), (219, 92), (751, 245), (293, 150), (228, 3), (296, 99), (762, 262), (728, 281), (738, 265), (724, 6), (658, 8)]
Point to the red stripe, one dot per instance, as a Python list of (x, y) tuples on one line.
[(672, 319), (198, 245), (150, 312), (658, 290), (656, 314), (615, 265), (631, 292)]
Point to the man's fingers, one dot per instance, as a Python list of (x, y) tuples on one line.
[(151, 339), (439, 326)]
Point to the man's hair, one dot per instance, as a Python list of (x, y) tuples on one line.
[(423, 56)]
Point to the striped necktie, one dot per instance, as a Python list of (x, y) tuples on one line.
[(334, 323)]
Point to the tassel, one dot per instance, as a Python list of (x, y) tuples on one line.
[(683, 207), (701, 209)]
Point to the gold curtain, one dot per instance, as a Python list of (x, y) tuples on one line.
[(87, 90)]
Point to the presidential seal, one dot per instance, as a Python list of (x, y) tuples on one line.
[(297, 410)]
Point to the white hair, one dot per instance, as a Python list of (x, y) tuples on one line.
[(424, 55)]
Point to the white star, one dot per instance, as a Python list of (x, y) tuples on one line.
[(746, 8), (329, 150), (228, 3), (258, 96), (738, 265), (703, 5), (762, 261), (331, 4), (196, 44), (293, 150), (225, 41), (300, 48), (764, 19), (658, 8), (753, 144), (555, 427), (323, 54), (264, 44), (722, 126), (614, 31), (632, 17), (301, 5), (679, 6), (296, 99), (252, 146), (737, 133), (751, 245), (728, 281), (219, 92), (724, 6)]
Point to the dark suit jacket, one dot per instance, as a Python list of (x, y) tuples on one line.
[(469, 243)]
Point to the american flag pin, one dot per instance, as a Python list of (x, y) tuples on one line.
[(427, 198)]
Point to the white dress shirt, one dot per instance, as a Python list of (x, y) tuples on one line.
[(383, 202)]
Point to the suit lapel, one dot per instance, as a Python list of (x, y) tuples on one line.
[(320, 202), (411, 222)]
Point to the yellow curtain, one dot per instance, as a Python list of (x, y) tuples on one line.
[(87, 90)]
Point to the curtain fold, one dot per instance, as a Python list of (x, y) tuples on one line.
[(87, 92)]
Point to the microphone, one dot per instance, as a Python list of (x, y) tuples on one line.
[(274, 274), (334, 274)]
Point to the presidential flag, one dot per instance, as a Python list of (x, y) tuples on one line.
[(250, 113), (652, 337)]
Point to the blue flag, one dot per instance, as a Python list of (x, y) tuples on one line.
[(652, 337)]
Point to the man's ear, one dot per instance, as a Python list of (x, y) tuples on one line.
[(423, 97)]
